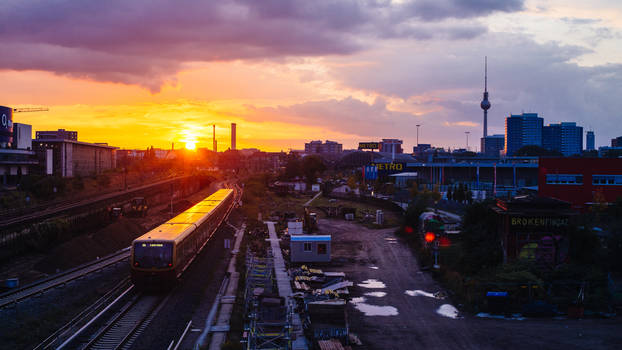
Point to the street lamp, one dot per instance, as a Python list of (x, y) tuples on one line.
[(467, 139)]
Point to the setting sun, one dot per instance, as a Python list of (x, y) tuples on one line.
[(191, 146)]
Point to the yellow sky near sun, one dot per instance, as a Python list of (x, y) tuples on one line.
[(129, 116)]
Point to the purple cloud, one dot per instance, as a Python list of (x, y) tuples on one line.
[(146, 42)]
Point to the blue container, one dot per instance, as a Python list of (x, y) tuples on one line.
[(11, 283)]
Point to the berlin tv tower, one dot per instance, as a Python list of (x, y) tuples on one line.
[(485, 104)]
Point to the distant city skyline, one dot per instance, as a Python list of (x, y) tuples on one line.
[(348, 71)]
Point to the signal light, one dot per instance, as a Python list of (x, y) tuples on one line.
[(408, 229), (445, 242), (429, 237), (136, 263), (169, 265)]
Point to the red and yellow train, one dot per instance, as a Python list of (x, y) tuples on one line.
[(160, 256)]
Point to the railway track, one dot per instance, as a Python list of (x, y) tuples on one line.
[(63, 207), (109, 324), (114, 321), (15, 296)]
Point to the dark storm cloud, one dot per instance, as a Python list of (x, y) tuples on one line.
[(147, 42)]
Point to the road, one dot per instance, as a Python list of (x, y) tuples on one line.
[(413, 320)]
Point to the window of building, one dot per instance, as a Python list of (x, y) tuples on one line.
[(599, 180), (306, 247), (321, 248), (564, 179)]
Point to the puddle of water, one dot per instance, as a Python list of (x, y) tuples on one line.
[(391, 240), (516, 317), (374, 267), (414, 293), (376, 294), (371, 283), (375, 310), (448, 310)]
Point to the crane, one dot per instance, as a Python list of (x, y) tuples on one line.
[(32, 109)]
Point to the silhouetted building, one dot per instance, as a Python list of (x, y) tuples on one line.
[(617, 142), (534, 229), (565, 137), (60, 134), (391, 146), (233, 136), (319, 147), (492, 145), (522, 130), (68, 158), (421, 148), (590, 143)]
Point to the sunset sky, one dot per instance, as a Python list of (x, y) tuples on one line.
[(140, 73)]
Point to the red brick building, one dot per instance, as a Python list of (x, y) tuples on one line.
[(580, 181)]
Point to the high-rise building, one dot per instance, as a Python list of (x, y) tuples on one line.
[(617, 142), (233, 126), (590, 142), (319, 147), (492, 145), (522, 130), (565, 137), (391, 146)]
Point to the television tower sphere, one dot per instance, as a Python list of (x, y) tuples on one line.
[(485, 103)]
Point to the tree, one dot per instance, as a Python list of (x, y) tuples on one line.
[(229, 159), (536, 151), (312, 166), (293, 168), (481, 240)]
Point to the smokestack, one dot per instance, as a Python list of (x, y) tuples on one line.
[(215, 147), (233, 136)]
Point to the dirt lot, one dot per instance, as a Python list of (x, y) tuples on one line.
[(394, 306)]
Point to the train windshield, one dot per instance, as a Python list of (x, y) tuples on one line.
[(153, 255)]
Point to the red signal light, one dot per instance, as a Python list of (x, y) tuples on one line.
[(408, 229), (136, 263), (169, 265), (429, 237)]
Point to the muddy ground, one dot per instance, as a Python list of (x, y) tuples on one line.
[(395, 308)]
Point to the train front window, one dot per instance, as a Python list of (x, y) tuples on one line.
[(153, 255)]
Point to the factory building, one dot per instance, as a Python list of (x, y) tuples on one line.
[(580, 181), (69, 158)]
